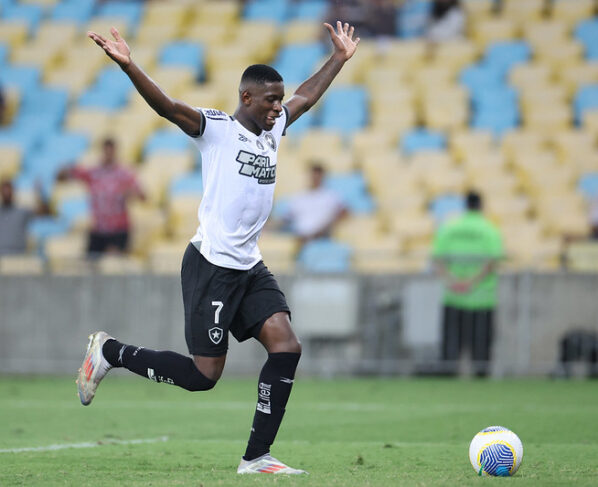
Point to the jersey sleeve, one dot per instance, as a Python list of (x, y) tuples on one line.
[(214, 124)]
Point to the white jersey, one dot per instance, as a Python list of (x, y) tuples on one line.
[(238, 172)]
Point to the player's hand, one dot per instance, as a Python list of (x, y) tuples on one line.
[(344, 44), (118, 50)]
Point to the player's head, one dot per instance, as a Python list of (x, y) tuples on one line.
[(108, 150), (473, 201), (6, 192), (317, 172), (260, 95)]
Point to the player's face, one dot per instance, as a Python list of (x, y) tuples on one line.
[(266, 104)]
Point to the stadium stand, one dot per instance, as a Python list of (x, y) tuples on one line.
[(512, 110)]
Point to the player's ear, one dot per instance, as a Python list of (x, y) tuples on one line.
[(246, 97)]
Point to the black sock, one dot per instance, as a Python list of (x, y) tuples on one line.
[(274, 389), (159, 366)]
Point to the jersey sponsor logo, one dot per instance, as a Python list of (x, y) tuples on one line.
[(242, 138), (215, 114), (256, 166), (260, 146), (270, 141), (216, 333)]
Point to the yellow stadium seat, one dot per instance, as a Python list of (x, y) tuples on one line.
[(493, 182), (465, 144), (415, 229), (279, 251), (221, 59), (489, 30), (113, 264), (541, 33), (507, 208), (456, 54), (444, 181), (527, 247), (182, 214), (209, 34), (575, 76), (148, 225), (589, 122), (560, 55), (10, 161), (572, 11), (172, 13), (355, 228), (13, 33), (386, 79), (530, 75), (45, 56), (582, 256), (21, 264), (380, 254), (75, 81), (301, 31), (66, 254), (445, 108), (89, 121), (409, 54), (71, 188), (490, 159), (549, 119), (520, 141), (370, 141), (522, 11), (479, 9), (12, 100), (571, 143), (427, 161), (260, 38), (226, 11), (312, 142), (58, 32), (165, 256)]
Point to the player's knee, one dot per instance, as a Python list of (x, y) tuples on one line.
[(199, 382)]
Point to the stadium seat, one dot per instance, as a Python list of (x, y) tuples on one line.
[(296, 62), (190, 183), (312, 10), (30, 13), (412, 18), (446, 206), (181, 53), (422, 139), (131, 12), (571, 12), (79, 11), (344, 109), (276, 10), (588, 185), (585, 99), (325, 256)]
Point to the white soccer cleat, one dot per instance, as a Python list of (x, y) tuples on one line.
[(267, 464), (94, 367)]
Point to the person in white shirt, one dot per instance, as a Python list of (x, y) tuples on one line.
[(226, 286), (313, 213), (447, 21)]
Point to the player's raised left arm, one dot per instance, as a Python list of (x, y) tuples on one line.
[(310, 91)]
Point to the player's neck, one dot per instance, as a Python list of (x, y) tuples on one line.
[(247, 123)]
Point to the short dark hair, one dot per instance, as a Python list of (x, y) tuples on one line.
[(473, 200), (109, 141), (260, 74)]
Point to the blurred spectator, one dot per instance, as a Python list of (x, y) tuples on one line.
[(446, 21), (110, 187), (313, 213), (466, 252), (14, 220), (2, 106), (371, 18), (594, 217)]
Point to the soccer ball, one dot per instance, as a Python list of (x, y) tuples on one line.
[(495, 451)]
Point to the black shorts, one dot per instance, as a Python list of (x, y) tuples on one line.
[(101, 242), (218, 300)]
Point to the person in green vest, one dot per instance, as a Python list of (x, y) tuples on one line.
[(466, 253)]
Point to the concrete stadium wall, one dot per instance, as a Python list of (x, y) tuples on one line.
[(348, 324)]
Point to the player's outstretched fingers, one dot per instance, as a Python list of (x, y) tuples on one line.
[(115, 34)]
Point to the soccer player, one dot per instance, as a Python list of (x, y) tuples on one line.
[(226, 286)]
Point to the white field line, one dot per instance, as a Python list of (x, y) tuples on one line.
[(84, 445)]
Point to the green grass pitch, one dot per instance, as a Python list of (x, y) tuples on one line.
[(345, 432)]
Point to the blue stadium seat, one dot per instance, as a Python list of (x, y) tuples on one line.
[(325, 256), (183, 53), (480, 76), (79, 11), (445, 206), (588, 185), (130, 11), (412, 18), (3, 55), (167, 140), (352, 189), (30, 13), (22, 78), (308, 10), (586, 32), (72, 209), (110, 91), (296, 62), (498, 122), (504, 55), (49, 102), (191, 183), (302, 124), (345, 109), (422, 139), (275, 10), (44, 227), (22, 137), (586, 98)]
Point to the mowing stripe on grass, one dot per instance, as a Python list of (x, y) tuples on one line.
[(84, 445)]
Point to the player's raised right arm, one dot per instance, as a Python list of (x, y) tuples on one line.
[(179, 113)]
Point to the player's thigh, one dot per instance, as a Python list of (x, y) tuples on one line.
[(263, 298), (211, 298)]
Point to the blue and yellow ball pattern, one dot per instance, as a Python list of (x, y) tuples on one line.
[(496, 451)]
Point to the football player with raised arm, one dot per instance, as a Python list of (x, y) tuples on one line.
[(226, 286)]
